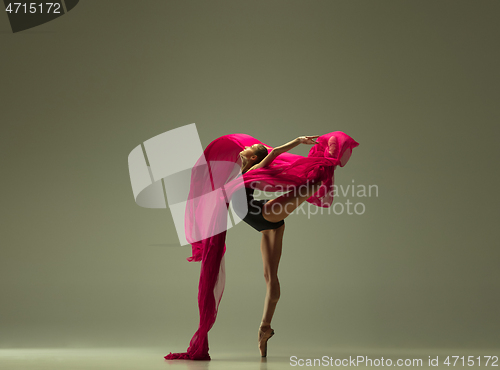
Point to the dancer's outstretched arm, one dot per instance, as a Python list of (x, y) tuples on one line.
[(284, 148), (292, 144)]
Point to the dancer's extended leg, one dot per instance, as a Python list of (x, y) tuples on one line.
[(278, 209)]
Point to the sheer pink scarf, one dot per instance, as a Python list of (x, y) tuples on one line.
[(215, 179)]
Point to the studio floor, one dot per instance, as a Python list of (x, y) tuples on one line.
[(152, 359)]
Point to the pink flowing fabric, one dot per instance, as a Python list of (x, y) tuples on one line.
[(215, 179)]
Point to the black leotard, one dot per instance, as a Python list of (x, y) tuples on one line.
[(254, 216)]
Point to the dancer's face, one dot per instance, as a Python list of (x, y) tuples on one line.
[(248, 154)]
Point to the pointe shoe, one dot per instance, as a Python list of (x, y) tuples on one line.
[(263, 338)]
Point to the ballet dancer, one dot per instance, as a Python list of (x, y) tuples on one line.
[(212, 186)]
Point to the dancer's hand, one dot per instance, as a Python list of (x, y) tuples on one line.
[(308, 139)]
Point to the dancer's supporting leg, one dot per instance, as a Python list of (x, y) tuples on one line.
[(278, 209), (272, 240), (271, 245)]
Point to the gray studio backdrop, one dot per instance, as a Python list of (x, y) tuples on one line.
[(414, 82)]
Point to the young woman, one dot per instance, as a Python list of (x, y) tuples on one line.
[(214, 180), (268, 218)]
